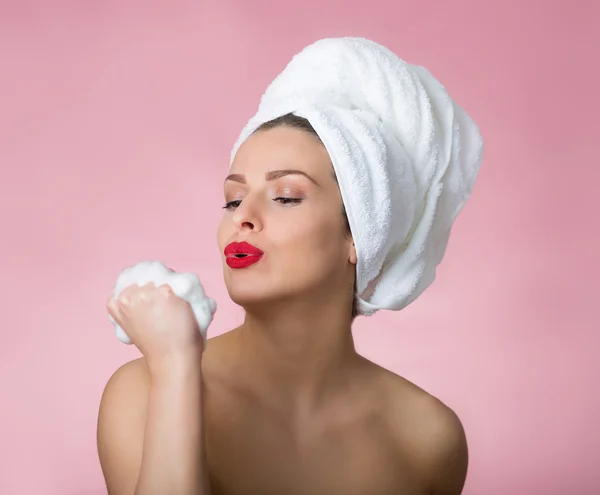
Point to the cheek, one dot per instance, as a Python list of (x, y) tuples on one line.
[(307, 236), (223, 232)]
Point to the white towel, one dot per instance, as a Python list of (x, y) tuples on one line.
[(405, 155)]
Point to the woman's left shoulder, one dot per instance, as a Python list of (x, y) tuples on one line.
[(407, 403), (432, 429)]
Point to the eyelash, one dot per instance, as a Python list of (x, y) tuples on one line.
[(286, 201)]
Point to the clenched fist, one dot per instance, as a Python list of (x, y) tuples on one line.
[(163, 313)]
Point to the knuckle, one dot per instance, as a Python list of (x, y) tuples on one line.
[(125, 299), (128, 295), (165, 289), (111, 305)]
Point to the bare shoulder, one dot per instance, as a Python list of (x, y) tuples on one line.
[(427, 415), (121, 422), (432, 430), (127, 386)]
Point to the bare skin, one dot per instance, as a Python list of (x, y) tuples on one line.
[(282, 404), (378, 434), (373, 432)]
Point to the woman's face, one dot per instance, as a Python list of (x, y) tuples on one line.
[(282, 198)]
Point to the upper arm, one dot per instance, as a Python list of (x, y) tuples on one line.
[(445, 458), (121, 425), (431, 435)]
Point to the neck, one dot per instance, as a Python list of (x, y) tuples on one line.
[(297, 351)]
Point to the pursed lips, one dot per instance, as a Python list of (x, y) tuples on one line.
[(241, 250)]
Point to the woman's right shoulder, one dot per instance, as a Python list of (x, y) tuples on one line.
[(123, 405), (121, 422), (135, 370), (129, 383)]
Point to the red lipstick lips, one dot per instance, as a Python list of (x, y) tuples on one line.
[(242, 254)]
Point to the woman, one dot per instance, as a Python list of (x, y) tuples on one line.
[(283, 404)]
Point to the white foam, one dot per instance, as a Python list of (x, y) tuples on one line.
[(184, 285)]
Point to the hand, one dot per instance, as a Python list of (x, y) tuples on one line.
[(158, 322)]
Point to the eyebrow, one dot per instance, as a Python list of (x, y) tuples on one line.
[(273, 175)]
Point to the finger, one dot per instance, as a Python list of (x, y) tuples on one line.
[(146, 289), (165, 289), (124, 296), (129, 294), (113, 308)]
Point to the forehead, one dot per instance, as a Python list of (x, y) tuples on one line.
[(282, 147)]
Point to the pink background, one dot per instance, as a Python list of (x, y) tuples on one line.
[(116, 123)]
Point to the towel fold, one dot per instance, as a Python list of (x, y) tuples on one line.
[(406, 157)]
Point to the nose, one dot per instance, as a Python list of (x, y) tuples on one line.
[(247, 216)]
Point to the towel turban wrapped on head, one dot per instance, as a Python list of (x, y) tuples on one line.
[(405, 155)]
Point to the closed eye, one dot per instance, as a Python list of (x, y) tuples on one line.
[(231, 205), (287, 201)]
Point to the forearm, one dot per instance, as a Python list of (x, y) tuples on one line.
[(174, 458)]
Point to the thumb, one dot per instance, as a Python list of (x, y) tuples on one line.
[(113, 309), (116, 319)]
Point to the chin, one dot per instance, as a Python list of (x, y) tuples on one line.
[(251, 298), (254, 288), (254, 292), (244, 290)]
